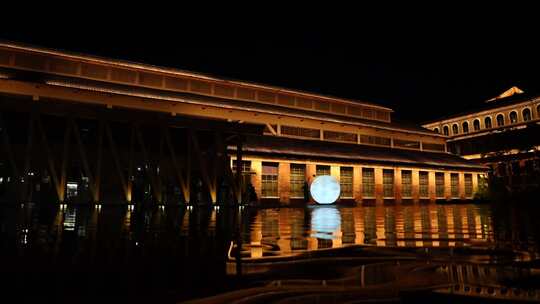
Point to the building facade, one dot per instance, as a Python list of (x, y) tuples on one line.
[(305, 134), (503, 134)]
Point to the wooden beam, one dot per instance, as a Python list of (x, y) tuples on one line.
[(50, 160), (184, 185), (116, 161), (148, 165), (8, 150), (84, 159)]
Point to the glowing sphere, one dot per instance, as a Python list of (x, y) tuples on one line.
[(325, 189)]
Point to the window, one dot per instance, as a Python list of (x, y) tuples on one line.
[(465, 126), (476, 125), (424, 184), (455, 129), (246, 166), (439, 184), (298, 179), (346, 181), (436, 130), (301, 132), (269, 179), (500, 120), (340, 136), (454, 184), (368, 182), (433, 147), (406, 183), (388, 183), (406, 144), (513, 117), (468, 185), (446, 131), (374, 140), (526, 114), (487, 122), (322, 170)]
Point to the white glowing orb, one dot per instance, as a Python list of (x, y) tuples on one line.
[(325, 189)]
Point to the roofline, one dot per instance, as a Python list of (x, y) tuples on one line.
[(452, 116), (178, 72), (156, 96)]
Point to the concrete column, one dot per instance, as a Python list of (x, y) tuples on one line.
[(284, 182), (431, 185), (461, 185), (378, 185), (475, 182), (357, 183), (256, 167), (397, 185), (447, 186), (416, 185), (334, 172)]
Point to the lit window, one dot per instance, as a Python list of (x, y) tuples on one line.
[(423, 184), (406, 183), (368, 182), (298, 180), (388, 183), (455, 129), (487, 122), (476, 125), (527, 114), (500, 120), (269, 179), (439, 184), (513, 117), (346, 181), (454, 184)]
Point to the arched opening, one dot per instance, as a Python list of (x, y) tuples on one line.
[(476, 125), (446, 130), (500, 120), (465, 127), (538, 111), (436, 130), (487, 122), (513, 117), (455, 129), (526, 114)]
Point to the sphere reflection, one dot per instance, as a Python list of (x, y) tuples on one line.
[(325, 221)]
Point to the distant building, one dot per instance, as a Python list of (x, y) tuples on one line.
[(503, 133), (305, 134)]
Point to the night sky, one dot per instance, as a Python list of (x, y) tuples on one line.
[(423, 71)]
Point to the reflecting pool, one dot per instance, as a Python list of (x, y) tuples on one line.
[(165, 254)]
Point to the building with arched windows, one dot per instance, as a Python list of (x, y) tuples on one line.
[(505, 134)]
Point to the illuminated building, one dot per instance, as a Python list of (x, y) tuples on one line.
[(301, 134), (503, 134)]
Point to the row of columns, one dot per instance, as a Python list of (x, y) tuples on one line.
[(284, 183)]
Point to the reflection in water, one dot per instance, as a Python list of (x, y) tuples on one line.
[(181, 252), (325, 223), (285, 231)]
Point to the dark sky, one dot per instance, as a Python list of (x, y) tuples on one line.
[(423, 70)]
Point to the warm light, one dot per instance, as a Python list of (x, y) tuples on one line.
[(325, 189)]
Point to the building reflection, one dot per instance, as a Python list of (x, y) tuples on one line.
[(285, 231)]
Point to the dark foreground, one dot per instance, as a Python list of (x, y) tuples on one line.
[(408, 254)]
